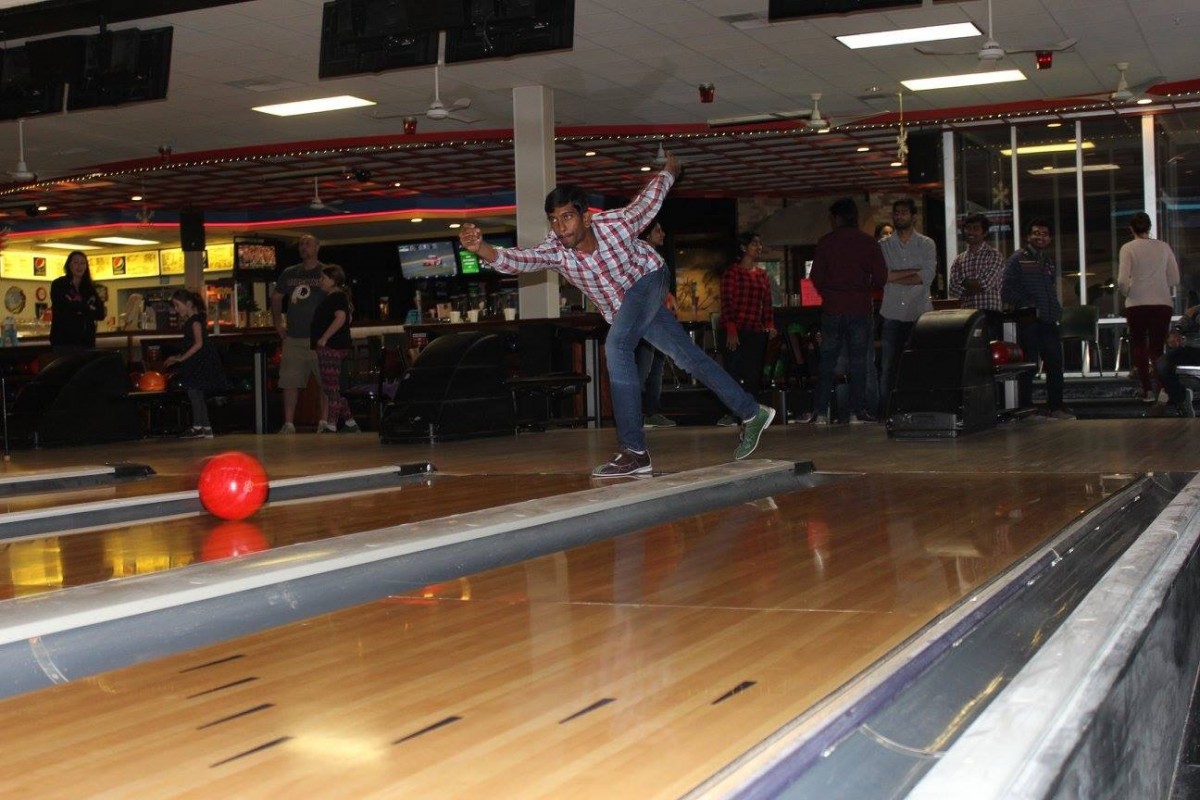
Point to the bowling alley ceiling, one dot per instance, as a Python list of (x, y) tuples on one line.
[(627, 86)]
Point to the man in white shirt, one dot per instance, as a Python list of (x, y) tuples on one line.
[(911, 260)]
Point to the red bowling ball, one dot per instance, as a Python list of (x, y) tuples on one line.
[(232, 485), (1001, 353)]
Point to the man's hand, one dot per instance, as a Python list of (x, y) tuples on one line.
[(731, 340), (670, 303), (672, 164), (471, 238), (1174, 339)]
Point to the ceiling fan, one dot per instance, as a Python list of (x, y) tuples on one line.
[(437, 110), (1124, 92), (991, 53), (317, 204), (21, 173), (812, 116)]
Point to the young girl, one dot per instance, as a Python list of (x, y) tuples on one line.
[(330, 337), (200, 371)]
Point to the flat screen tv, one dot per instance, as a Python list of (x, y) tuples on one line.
[(254, 258), (427, 259), (469, 263)]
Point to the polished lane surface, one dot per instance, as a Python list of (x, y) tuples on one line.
[(633, 667)]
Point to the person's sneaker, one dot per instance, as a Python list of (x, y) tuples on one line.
[(657, 421), (862, 418), (351, 426), (197, 432), (1149, 397), (1186, 408), (288, 428), (1060, 413), (623, 464), (814, 418), (728, 421), (752, 432), (326, 427)]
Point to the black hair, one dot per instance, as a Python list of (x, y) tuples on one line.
[(977, 219), (340, 282), (1140, 222), (845, 211), (1037, 222), (188, 296), (906, 201), (879, 228), (86, 287), (567, 195)]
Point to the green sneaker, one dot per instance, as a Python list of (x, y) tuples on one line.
[(657, 421), (752, 432)]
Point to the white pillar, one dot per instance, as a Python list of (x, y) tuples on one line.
[(533, 151), (950, 188)]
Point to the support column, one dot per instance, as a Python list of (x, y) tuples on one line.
[(533, 150), (193, 270)]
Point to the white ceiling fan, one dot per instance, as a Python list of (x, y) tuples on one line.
[(21, 173), (316, 204), (991, 53), (810, 115), (1124, 92), (437, 110)]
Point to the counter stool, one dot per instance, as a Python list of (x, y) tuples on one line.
[(551, 389)]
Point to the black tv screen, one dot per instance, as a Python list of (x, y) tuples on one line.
[(511, 29), (778, 10), (254, 258), (359, 37), (427, 259)]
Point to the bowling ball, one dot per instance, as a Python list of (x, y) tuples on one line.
[(152, 381), (1015, 354), (232, 485), (1001, 354), (134, 379), (276, 358), (233, 539)]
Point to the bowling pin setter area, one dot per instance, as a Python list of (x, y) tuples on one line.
[(495, 624)]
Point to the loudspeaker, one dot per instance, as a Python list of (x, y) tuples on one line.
[(76, 399), (924, 157), (456, 389), (944, 378), (191, 230)]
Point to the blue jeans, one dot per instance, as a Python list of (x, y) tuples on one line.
[(1040, 339), (893, 336), (855, 333), (650, 365), (642, 315), (871, 392)]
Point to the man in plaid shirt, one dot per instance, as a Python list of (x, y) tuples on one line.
[(977, 275), (602, 255)]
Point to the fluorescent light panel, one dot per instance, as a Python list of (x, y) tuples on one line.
[(1057, 147), (966, 79), (314, 106), (931, 33), (123, 240), (69, 246), (1064, 170)]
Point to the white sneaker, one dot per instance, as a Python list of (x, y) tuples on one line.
[(326, 427), (351, 426), (288, 428)]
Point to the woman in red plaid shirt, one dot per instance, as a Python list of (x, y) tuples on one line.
[(746, 316)]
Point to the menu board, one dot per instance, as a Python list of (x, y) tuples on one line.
[(217, 258), (15, 264), (127, 265)]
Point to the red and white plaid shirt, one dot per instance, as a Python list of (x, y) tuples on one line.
[(984, 265), (620, 258)]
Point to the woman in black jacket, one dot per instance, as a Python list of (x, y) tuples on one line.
[(75, 307)]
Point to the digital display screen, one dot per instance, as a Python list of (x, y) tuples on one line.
[(427, 259)]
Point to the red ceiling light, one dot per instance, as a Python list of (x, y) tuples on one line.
[(410, 125), (708, 92), (1045, 59)]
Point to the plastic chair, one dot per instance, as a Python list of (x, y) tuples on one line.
[(1082, 323)]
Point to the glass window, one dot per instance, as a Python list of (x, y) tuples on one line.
[(1177, 148), (1047, 190), (984, 177)]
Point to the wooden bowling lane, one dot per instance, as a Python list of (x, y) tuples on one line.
[(48, 562), (632, 667)]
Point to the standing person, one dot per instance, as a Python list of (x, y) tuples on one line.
[(75, 307), (847, 266), (1031, 282), (200, 371), (977, 275), (330, 338), (1147, 274), (650, 362), (746, 316), (298, 286), (601, 255), (1183, 349), (911, 259), (884, 230)]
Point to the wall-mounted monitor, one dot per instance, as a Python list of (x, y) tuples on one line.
[(427, 259), (254, 259), (511, 28)]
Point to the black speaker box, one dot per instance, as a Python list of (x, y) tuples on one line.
[(76, 399), (944, 379), (191, 231), (456, 389), (924, 157)]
